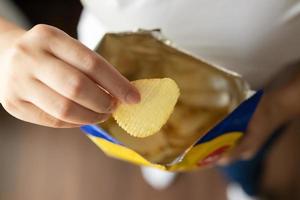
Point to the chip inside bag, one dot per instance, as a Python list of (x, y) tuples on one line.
[(193, 127)]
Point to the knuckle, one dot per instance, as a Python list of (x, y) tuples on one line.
[(64, 109), (91, 64), (43, 31), (76, 86)]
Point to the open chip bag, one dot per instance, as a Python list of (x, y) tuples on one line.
[(210, 116)]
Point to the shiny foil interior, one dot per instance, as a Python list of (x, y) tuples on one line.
[(208, 93)]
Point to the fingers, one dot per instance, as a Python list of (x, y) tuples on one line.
[(276, 108), (74, 85), (88, 62), (32, 114), (37, 69), (60, 107)]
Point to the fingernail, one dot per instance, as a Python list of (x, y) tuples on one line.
[(133, 97)]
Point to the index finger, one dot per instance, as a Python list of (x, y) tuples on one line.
[(93, 65)]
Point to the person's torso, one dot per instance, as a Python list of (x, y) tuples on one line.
[(9, 11)]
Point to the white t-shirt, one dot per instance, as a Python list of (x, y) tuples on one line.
[(254, 38)]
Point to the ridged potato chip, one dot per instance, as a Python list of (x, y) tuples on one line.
[(158, 98)]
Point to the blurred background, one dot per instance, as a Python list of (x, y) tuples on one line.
[(42, 163)]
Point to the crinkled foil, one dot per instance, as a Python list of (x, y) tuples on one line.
[(208, 93)]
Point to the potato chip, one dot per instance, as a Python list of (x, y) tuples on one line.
[(158, 98)]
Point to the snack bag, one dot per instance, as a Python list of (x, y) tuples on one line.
[(210, 116)]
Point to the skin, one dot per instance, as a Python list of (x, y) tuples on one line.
[(280, 105), (51, 79), (281, 175)]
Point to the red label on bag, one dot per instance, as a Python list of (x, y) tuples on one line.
[(213, 157)]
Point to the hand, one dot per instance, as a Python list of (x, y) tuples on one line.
[(279, 105), (51, 79)]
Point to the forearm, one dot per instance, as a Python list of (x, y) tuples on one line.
[(8, 34)]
